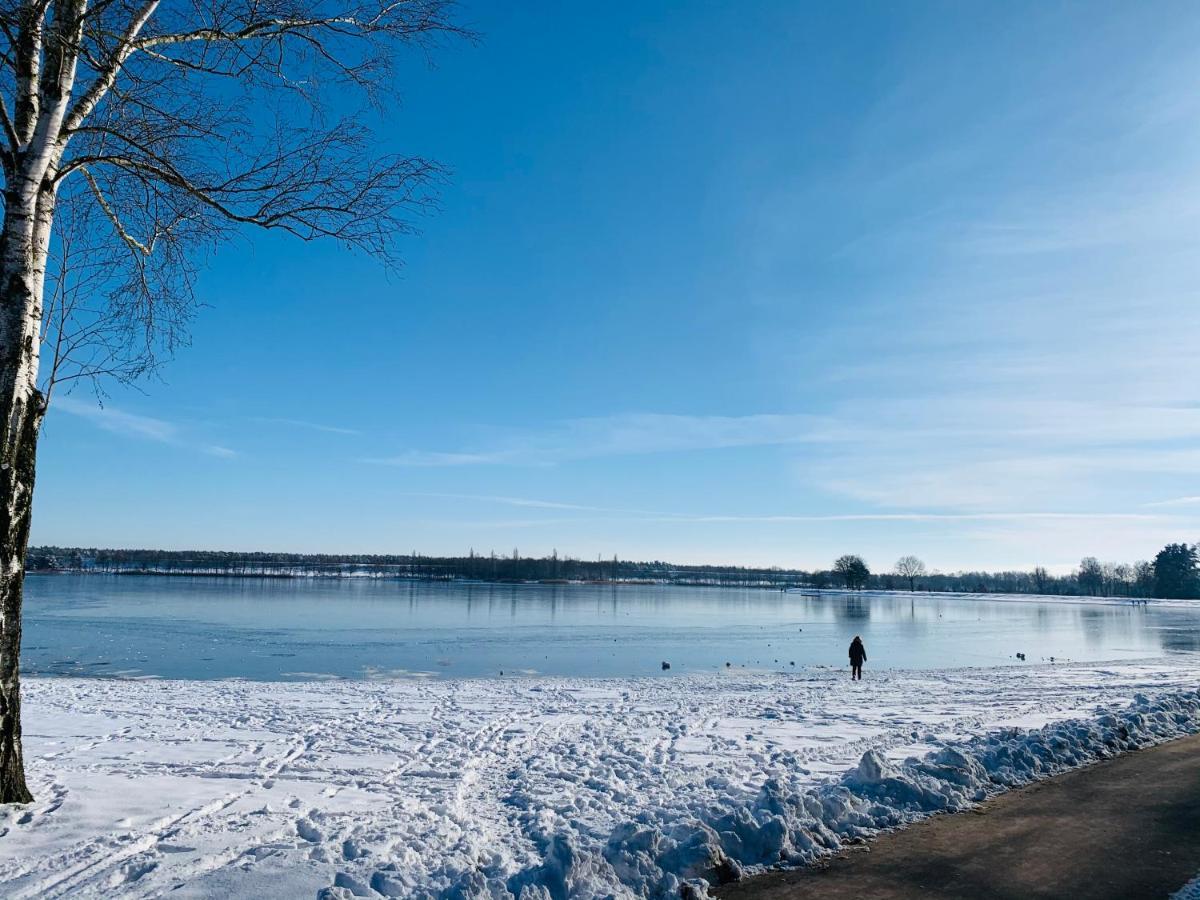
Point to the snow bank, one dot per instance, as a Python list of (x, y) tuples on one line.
[(790, 825), (1190, 891), (534, 788)]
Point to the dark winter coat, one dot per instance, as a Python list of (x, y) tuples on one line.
[(858, 653)]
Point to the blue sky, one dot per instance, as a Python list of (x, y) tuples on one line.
[(757, 282)]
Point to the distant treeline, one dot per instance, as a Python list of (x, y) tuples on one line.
[(1173, 573), (473, 566)]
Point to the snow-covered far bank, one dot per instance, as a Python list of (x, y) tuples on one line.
[(536, 787), (996, 596)]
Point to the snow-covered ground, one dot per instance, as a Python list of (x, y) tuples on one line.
[(532, 786)]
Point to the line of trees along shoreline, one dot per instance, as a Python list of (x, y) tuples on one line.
[(1174, 572)]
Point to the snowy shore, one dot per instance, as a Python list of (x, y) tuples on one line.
[(533, 786)]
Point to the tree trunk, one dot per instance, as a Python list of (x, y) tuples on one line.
[(23, 243), (16, 494)]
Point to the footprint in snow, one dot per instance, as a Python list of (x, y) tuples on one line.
[(388, 883), (353, 885), (133, 871), (310, 832)]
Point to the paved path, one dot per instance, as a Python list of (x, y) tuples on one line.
[(1124, 828)]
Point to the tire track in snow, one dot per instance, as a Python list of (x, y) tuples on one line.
[(69, 877)]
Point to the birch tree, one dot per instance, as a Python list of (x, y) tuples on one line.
[(135, 137)]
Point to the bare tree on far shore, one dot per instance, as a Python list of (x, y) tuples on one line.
[(1041, 578), (910, 568), (136, 137)]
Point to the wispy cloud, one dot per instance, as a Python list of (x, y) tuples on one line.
[(881, 423), (974, 479), (133, 425), (422, 459), (508, 501), (1177, 501), (909, 516), (301, 423), (531, 503), (1115, 215), (955, 453), (634, 434), (930, 517)]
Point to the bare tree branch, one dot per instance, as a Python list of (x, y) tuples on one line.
[(132, 242), (108, 73)]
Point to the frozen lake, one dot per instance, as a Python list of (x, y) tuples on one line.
[(271, 629)]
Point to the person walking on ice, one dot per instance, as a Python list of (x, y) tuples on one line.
[(858, 656)]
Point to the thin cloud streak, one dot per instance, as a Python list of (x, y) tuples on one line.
[(128, 424), (930, 517), (420, 459), (1178, 501), (961, 419), (530, 503), (512, 501), (301, 423), (659, 516), (637, 434)]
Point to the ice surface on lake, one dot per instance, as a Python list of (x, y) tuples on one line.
[(535, 787), (303, 629)]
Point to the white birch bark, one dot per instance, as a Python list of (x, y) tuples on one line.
[(24, 245)]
